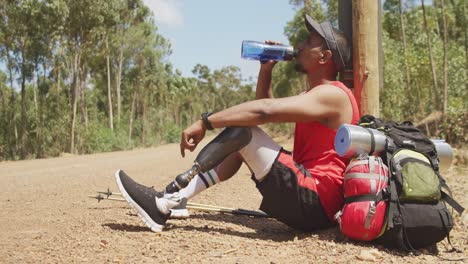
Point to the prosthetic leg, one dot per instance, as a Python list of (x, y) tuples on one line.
[(154, 209), (230, 140)]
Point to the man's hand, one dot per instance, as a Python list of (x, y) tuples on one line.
[(191, 136), (263, 89), (269, 64)]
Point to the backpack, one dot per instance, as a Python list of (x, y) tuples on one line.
[(417, 215), (365, 176)]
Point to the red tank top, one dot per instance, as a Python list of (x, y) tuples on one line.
[(314, 149)]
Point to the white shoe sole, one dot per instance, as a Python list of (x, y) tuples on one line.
[(155, 227), (179, 214)]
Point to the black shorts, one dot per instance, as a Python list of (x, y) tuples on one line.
[(284, 199)]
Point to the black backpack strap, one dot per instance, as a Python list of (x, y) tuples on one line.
[(455, 205), (366, 197), (393, 201), (372, 149)]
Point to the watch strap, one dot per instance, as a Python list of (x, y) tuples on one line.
[(206, 122)]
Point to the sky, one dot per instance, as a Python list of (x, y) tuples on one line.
[(210, 32)]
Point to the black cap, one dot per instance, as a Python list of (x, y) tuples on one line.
[(340, 52)]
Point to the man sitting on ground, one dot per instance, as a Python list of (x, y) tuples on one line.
[(302, 190)]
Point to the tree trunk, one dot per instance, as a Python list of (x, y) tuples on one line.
[(42, 104), (118, 78), (4, 118), (39, 153), (435, 89), (23, 103), (109, 94), (143, 119), (23, 116), (367, 78), (405, 56), (403, 36), (34, 88), (444, 20), (84, 107), (12, 149), (58, 76), (130, 122), (74, 95), (465, 12)]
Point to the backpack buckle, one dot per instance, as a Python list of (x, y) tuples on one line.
[(409, 144), (385, 193), (397, 220)]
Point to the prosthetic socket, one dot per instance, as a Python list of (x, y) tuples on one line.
[(230, 140)]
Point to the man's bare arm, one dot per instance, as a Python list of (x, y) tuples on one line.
[(264, 81), (321, 103)]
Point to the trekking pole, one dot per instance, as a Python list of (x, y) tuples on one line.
[(193, 206), (99, 197)]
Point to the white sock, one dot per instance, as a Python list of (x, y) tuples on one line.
[(200, 182)]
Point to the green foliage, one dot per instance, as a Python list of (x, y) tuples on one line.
[(415, 99), (172, 133), (455, 128), (108, 59)]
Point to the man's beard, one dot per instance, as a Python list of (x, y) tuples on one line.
[(299, 68)]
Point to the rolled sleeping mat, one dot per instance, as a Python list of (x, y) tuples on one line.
[(351, 140), (444, 152)]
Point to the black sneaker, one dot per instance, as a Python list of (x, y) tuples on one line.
[(143, 200)]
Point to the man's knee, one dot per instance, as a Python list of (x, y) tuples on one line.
[(260, 153)]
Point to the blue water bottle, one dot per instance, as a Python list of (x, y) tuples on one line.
[(256, 50)]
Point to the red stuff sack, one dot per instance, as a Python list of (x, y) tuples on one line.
[(363, 215)]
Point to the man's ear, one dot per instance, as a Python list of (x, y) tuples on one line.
[(326, 56)]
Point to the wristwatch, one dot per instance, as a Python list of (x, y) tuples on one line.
[(206, 122)]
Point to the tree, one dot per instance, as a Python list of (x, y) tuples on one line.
[(431, 57)]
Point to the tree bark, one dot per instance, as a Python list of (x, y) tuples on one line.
[(34, 89), (143, 118), (109, 93), (38, 116), (74, 95), (435, 89), (4, 117), (23, 103), (465, 12), (13, 106), (444, 21), (405, 52), (118, 79), (84, 107), (367, 78), (130, 122), (42, 104)]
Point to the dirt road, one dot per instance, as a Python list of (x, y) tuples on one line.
[(45, 216)]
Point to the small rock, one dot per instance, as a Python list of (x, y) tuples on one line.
[(103, 243), (369, 255)]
